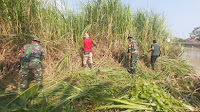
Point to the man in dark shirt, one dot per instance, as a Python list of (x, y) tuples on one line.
[(155, 52)]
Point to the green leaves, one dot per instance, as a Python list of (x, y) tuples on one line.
[(27, 94), (20, 101), (126, 105), (149, 92), (63, 64)]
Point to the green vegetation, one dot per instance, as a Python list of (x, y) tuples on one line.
[(195, 34), (173, 86)]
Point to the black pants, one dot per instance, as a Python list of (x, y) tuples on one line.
[(153, 60)]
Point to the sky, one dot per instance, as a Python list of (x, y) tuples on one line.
[(182, 16)]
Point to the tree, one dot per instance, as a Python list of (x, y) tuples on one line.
[(195, 33)]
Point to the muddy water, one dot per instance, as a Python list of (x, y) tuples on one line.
[(193, 56)]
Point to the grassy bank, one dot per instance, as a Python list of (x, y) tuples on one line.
[(172, 86)]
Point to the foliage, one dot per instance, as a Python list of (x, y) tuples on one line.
[(69, 88), (14, 102), (195, 34), (106, 88)]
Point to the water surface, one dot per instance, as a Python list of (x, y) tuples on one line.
[(193, 56)]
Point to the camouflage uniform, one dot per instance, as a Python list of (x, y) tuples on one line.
[(133, 48), (31, 56)]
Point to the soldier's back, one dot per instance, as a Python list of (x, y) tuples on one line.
[(32, 51)]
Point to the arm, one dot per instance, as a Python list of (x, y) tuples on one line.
[(82, 47), (94, 43), (152, 48), (82, 44), (42, 54), (160, 51), (129, 47)]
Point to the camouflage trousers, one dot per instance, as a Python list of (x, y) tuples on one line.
[(133, 62), (33, 66)]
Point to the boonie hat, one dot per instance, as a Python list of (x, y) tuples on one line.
[(36, 39)]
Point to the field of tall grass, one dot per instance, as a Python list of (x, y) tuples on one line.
[(173, 86)]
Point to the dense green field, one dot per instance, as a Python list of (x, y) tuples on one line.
[(108, 87)]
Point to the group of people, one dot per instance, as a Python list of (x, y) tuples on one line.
[(32, 54), (133, 49)]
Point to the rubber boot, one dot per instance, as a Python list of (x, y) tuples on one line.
[(84, 65), (152, 65), (132, 71), (40, 88), (90, 65)]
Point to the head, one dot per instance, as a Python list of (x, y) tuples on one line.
[(36, 40), (154, 41), (129, 37), (86, 36)]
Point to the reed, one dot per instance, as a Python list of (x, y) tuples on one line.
[(109, 22)]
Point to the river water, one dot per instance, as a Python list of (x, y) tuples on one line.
[(192, 54)]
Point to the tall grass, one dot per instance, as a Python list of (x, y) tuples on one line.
[(108, 22)]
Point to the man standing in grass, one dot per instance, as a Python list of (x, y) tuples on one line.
[(155, 52), (87, 55), (133, 49), (31, 56)]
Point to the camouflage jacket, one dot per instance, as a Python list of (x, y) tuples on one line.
[(133, 48), (31, 51)]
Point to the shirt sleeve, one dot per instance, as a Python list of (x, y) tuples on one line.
[(93, 42), (42, 54), (82, 44)]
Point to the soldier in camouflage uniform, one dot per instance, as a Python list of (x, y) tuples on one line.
[(133, 49), (31, 56)]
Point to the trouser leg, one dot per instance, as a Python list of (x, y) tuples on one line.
[(153, 60), (90, 60), (133, 62), (23, 75), (36, 68), (85, 58), (38, 75)]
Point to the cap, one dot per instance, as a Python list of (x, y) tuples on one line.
[(36, 39), (130, 37), (154, 41)]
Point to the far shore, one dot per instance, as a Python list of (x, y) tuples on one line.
[(189, 44)]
